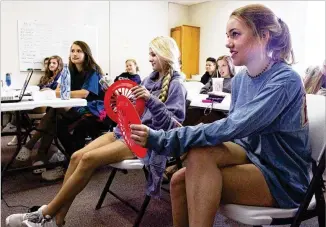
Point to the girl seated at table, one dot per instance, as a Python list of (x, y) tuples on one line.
[(225, 70), (50, 80), (211, 70)]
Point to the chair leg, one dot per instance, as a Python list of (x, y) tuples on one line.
[(320, 204), (106, 189), (315, 186), (321, 218), (142, 211)]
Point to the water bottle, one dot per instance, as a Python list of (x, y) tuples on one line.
[(8, 79), (65, 83)]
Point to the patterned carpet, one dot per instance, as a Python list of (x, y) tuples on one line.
[(26, 189)]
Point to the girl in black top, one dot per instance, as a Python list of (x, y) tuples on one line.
[(131, 72), (226, 70), (211, 70)]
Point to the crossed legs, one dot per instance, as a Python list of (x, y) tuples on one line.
[(215, 175)]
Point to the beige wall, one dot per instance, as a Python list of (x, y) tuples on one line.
[(306, 21), (124, 30), (178, 15)]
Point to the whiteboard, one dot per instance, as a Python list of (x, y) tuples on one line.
[(38, 39)]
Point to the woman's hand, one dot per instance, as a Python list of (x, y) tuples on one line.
[(139, 133), (141, 92)]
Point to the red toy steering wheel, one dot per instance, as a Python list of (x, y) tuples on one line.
[(127, 115), (121, 87)]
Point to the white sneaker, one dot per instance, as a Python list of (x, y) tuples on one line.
[(15, 220), (38, 171), (13, 142), (24, 154), (9, 128), (46, 222), (54, 174), (57, 157)]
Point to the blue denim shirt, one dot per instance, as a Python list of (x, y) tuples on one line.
[(268, 118)]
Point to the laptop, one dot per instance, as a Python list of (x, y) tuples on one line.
[(15, 97)]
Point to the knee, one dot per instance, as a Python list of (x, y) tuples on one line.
[(204, 154), (177, 181), (198, 154), (76, 157), (87, 161)]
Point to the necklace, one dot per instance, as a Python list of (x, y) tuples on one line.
[(259, 74)]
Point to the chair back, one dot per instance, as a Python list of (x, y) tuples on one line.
[(316, 110)]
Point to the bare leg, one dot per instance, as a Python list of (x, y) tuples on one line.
[(179, 199), (200, 179), (245, 185), (211, 169), (114, 152), (75, 159), (47, 121)]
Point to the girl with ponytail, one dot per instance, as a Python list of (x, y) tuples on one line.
[(165, 99), (241, 159)]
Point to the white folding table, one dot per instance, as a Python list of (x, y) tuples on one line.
[(24, 105)]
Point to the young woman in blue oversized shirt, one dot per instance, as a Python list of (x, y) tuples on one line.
[(259, 155), (165, 98)]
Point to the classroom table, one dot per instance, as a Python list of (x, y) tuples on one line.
[(24, 105)]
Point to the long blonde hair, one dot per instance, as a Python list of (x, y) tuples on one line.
[(168, 54)]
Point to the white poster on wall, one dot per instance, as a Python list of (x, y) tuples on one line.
[(38, 40)]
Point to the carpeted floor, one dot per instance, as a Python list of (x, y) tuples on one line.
[(27, 189)]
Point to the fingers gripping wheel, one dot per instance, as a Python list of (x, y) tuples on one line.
[(127, 115), (121, 87)]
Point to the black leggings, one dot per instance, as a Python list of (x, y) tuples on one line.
[(73, 138)]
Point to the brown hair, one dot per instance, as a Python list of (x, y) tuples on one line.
[(89, 62), (259, 18), (229, 61), (49, 75), (46, 59), (134, 61)]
